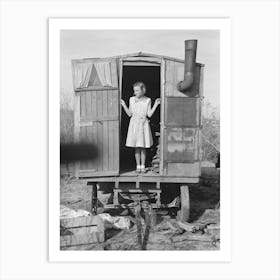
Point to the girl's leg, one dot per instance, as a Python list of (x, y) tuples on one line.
[(137, 158), (143, 157)]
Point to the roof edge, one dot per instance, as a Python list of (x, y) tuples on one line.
[(142, 54)]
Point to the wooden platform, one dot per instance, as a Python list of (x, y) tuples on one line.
[(149, 176)]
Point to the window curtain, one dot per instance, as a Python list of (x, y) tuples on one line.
[(104, 73), (82, 73)]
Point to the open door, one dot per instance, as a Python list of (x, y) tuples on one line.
[(97, 115), (149, 74)]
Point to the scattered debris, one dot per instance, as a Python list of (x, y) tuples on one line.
[(81, 230), (66, 212), (186, 226), (156, 158), (118, 222), (201, 228)]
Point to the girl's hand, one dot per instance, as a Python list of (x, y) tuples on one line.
[(157, 102), (122, 102)]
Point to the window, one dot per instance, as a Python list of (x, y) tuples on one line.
[(93, 74)]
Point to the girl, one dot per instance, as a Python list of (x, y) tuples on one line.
[(139, 134)]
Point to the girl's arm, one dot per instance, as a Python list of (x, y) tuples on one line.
[(128, 112), (151, 111)]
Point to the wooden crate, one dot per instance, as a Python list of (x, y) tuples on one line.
[(81, 230)]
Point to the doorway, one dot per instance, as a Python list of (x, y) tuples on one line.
[(150, 76)]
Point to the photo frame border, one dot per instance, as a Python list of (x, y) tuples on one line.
[(58, 24)]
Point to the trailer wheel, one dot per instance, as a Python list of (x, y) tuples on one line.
[(184, 213)]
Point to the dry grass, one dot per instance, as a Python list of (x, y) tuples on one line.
[(66, 126)]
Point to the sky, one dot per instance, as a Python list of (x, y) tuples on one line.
[(77, 44)]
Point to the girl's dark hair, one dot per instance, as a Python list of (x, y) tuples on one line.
[(141, 85)]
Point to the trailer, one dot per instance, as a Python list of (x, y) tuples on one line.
[(100, 83)]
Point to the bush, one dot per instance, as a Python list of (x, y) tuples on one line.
[(66, 117), (210, 133)]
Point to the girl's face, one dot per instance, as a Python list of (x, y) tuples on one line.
[(138, 92)]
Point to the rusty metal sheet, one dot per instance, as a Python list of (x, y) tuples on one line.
[(183, 169), (182, 144), (183, 111)]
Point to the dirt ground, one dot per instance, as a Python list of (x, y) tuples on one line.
[(201, 233)]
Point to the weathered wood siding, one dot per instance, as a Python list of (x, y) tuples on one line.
[(182, 120), (99, 126)]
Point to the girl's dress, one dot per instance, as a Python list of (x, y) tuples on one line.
[(139, 131)]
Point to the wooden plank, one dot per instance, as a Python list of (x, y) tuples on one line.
[(88, 121), (77, 128), (115, 102), (162, 122), (169, 76), (110, 103), (94, 142), (201, 82), (83, 104), (88, 104), (116, 133), (140, 63), (178, 76), (110, 132), (97, 174), (153, 60), (195, 87), (99, 111), (105, 146), (100, 146), (90, 162), (111, 145), (93, 105), (99, 96), (174, 79), (97, 88), (83, 139), (92, 178), (116, 145), (82, 230), (114, 73), (81, 221), (105, 133), (71, 240)]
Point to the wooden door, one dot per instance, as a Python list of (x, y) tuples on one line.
[(182, 120), (98, 125)]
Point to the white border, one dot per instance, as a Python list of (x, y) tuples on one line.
[(222, 24)]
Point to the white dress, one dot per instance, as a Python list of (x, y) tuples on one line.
[(139, 131)]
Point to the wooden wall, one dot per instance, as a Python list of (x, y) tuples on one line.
[(99, 126)]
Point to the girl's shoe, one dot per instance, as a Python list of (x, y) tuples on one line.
[(143, 169), (138, 169)]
